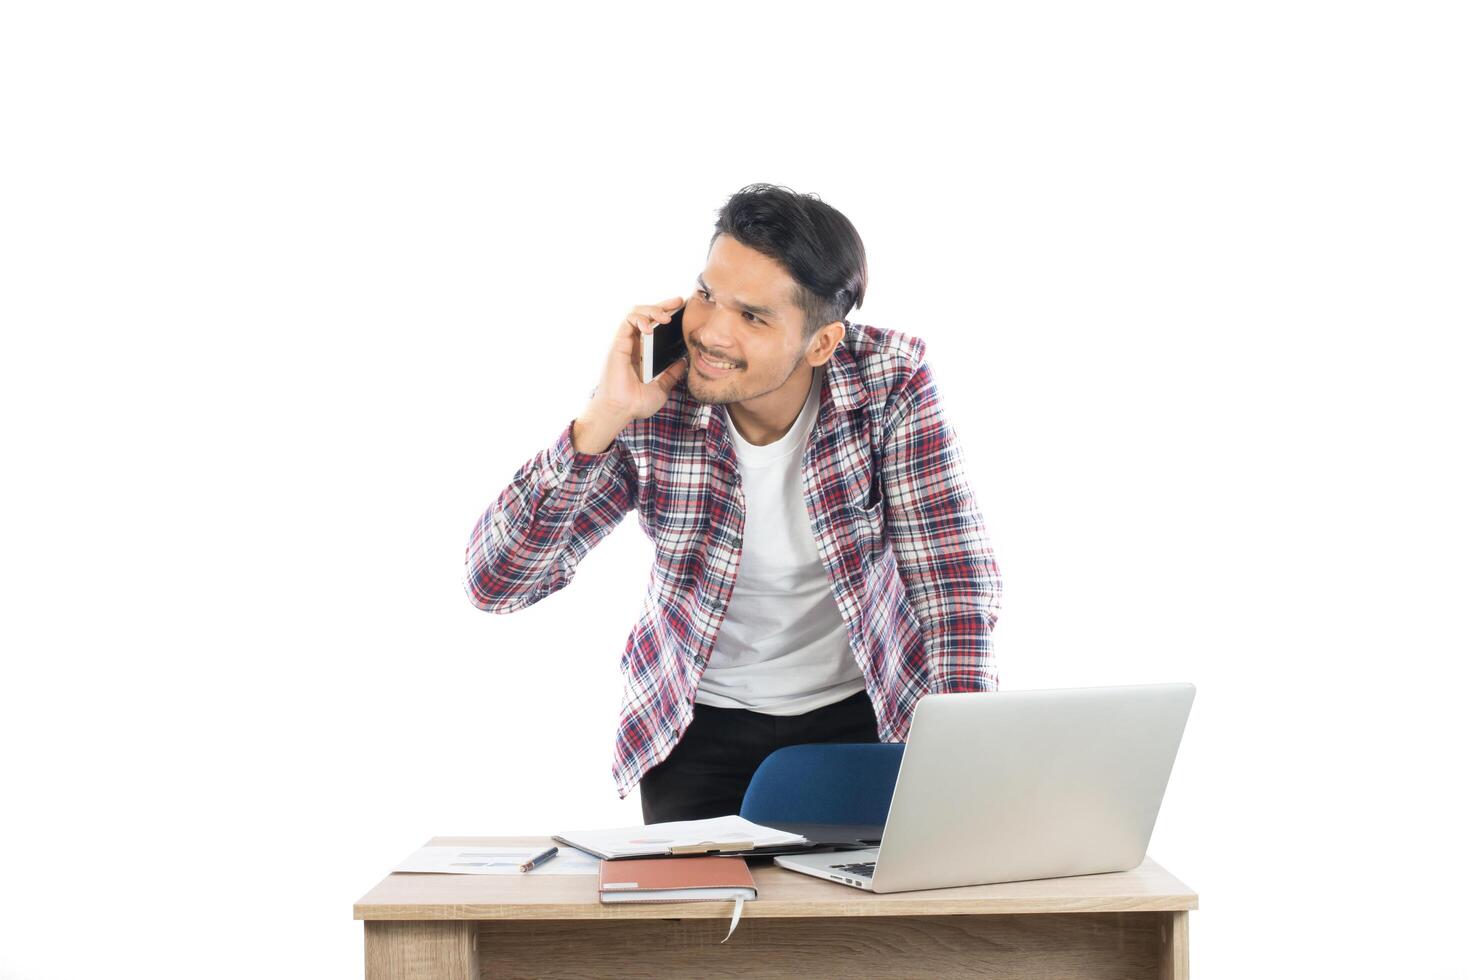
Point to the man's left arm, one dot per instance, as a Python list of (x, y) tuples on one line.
[(939, 540)]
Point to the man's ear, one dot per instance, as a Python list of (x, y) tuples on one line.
[(824, 342)]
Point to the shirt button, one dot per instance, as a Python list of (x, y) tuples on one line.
[(698, 660)]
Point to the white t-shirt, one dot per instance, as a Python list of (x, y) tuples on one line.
[(782, 649)]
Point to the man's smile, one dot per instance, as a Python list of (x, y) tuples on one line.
[(712, 366)]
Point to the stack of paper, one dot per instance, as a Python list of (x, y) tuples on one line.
[(466, 859), (715, 835)]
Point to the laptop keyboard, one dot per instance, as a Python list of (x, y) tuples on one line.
[(863, 869)]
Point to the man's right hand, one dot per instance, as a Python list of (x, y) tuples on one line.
[(622, 396)]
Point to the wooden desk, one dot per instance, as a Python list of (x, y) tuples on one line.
[(462, 927)]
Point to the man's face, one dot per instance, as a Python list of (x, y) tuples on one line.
[(742, 327)]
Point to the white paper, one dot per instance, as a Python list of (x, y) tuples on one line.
[(466, 860), (656, 838)]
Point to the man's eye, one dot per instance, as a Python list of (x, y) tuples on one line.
[(704, 295)]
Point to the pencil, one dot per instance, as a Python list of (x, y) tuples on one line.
[(540, 859)]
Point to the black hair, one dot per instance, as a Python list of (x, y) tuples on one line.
[(812, 240)]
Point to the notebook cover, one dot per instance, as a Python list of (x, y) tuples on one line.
[(644, 874)]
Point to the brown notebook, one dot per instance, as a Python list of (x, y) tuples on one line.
[(685, 879)]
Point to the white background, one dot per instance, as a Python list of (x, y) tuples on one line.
[(290, 290)]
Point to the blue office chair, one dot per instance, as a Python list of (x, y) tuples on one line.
[(824, 782)]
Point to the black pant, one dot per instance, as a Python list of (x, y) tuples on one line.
[(708, 770)]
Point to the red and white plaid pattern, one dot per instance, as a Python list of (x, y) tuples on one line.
[(895, 523)]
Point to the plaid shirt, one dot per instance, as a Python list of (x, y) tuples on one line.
[(896, 527)]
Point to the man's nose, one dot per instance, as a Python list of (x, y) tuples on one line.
[(717, 332)]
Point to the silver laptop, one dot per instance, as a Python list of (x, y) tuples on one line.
[(1014, 785)]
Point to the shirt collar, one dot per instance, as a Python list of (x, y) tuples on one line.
[(843, 381)]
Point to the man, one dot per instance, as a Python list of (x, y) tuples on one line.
[(820, 564)]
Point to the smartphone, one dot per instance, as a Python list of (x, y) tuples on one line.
[(667, 346)]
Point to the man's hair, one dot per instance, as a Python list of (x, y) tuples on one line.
[(812, 240)]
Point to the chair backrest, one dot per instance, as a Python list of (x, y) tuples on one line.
[(825, 782)]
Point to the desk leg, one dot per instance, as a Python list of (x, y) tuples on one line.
[(420, 950), (1173, 963)]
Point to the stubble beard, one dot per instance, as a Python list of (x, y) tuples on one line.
[(734, 395)]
